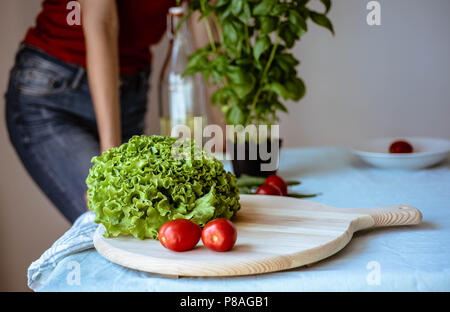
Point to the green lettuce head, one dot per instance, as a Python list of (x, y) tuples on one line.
[(137, 187)]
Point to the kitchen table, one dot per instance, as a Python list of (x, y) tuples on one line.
[(406, 258)]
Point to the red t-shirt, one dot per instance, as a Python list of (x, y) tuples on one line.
[(142, 23)]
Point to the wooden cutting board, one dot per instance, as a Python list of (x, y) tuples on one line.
[(274, 233)]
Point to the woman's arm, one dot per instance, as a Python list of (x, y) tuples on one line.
[(101, 32)]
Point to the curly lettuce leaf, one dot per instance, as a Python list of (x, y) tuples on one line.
[(137, 187)]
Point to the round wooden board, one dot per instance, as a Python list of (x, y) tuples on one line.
[(274, 233)]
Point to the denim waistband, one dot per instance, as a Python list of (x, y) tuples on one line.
[(78, 73)]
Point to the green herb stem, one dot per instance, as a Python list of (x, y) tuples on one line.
[(247, 40), (210, 35), (266, 69), (219, 29)]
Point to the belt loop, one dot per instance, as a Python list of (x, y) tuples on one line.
[(78, 76)]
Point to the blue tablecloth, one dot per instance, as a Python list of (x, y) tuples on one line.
[(411, 258)]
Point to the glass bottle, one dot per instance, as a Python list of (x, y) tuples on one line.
[(181, 98)]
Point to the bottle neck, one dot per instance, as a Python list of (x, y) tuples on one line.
[(174, 28)]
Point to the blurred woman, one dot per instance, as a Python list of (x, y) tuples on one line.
[(78, 90)]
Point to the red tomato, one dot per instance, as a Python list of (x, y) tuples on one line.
[(268, 190), (219, 235), (179, 234), (277, 182), (400, 147)]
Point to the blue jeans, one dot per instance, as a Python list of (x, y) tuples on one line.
[(51, 123)]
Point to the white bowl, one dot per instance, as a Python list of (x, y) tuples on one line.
[(426, 152)]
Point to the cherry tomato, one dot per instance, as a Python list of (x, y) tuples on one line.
[(268, 190), (219, 235), (277, 182), (400, 147), (179, 234)]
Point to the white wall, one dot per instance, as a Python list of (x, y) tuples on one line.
[(366, 81), (370, 81)]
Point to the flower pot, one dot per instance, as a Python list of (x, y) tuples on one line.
[(245, 163)]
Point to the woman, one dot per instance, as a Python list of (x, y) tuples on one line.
[(78, 90)]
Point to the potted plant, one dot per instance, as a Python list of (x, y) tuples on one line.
[(250, 64)]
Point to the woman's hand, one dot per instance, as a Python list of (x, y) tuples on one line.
[(101, 32), (87, 201)]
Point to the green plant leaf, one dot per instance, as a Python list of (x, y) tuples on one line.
[(261, 45), (197, 59), (225, 109), (298, 21), (327, 4), (198, 62), (268, 24), (286, 62), (287, 58), (321, 20), (275, 73), (222, 3), (230, 32), (191, 70), (226, 13), (245, 190), (279, 9), (220, 63), (247, 180), (296, 88), (296, 195), (252, 181), (242, 81), (278, 88), (280, 106), (264, 7), (236, 6), (245, 14), (236, 116), (243, 61), (289, 37), (242, 90), (236, 74), (224, 96)]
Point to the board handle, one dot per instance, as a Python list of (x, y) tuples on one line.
[(389, 216)]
